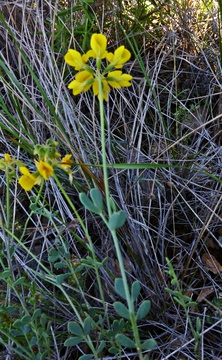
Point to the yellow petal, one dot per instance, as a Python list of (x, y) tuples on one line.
[(75, 59), (117, 80), (45, 169), (27, 180), (66, 162), (24, 170), (98, 44), (7, 158), (121, 56), (105, 89), (110, 57), (83, 76), (76, 87), (83, 81)]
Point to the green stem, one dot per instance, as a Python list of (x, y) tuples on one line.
[(91, 246), (8, 211), (103, 144), (113, 232)]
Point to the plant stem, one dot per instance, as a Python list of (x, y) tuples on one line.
[(103, 144), (113, 232), (91, 246)]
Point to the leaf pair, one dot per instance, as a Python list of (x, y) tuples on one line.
[(95, 205)]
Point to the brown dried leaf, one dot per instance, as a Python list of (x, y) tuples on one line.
[(211, 264), (204, 293)]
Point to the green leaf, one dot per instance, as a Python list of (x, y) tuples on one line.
[(121, 309), (112, 204), (181, 302), (86, 357), (113, 350), (118, 325), (101, 346), (73, 341), (174, 281), (119, 287), (6, 274), (135, 290), (89, 205), (173, 292), (149, 344), (19, 281), (97, 198), (53, 255), (60, 265), (26, 319), (33, 207), (191, 303), (87, 326), (43, 320), (143, 310), (117, 220), (75, 328), (125, 341), (36, 314), (60, 278), (198, 324), (18, 324)]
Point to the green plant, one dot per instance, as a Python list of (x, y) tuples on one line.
[(185, 302)]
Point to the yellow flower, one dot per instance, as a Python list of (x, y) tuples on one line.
[(98, 44), (7, 159), (27, 180), (45, 169), (119, 58), (117, 79), (83, 81), (66, 162), (105, 89), (75, 59)]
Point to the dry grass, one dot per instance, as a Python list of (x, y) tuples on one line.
[(170, 116)]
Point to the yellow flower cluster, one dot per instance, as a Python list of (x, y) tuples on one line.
[(87, 78), (48, 159)]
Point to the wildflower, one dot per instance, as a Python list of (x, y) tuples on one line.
[(7, 160), (75, 59), (105, 89), (117, 79), (119, 58), (88, 78), (66, 162), (27, 180), (44, 169), (8, 164), (98, 44), (83, 81)]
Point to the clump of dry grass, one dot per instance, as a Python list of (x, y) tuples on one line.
[(171, 115)]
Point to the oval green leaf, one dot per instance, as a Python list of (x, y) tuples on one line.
[(73, 341), (149, 344), (97, 198), (75, 328), (121, 309), (143, 310), (119, 287), (135, 290), (125, 341), (89, 205), (117, 220)]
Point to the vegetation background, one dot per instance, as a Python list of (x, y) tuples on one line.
[(52, 305)]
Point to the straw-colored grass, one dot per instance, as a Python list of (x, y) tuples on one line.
[(170, 118)]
